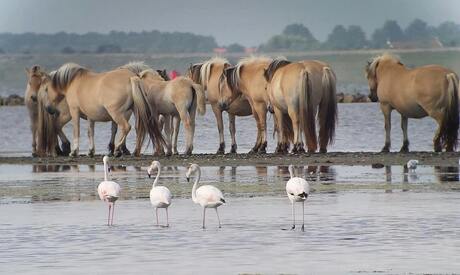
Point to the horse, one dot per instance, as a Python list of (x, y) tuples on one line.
[(430, 90), (108, 96), (247, 79), (299, 92), (209, 75), (177, 100)]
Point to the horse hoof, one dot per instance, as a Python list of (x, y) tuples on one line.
[(323, 151), (385, 149), (66, 148), (220, 152), (91, 153), (34, 155), (404, 150), (118, 154), (188, 153), (233, 150), (73, 154)]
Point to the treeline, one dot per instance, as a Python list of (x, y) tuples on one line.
[(113, 42), (418, 34)]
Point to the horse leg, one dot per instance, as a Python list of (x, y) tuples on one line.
[(113, 133), (405, 147), (294, 116), (168, 134), (220, 127), (386, 110), (91, 138), (124, 149), (279, 130), (258, 139), (232, 128), (124, 126), (176, 125), (261, 109), (33, 128), (437, 146), (185, 117), (76, 132), (64, 118), (310, 137)]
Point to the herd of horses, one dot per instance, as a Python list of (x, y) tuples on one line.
[(300, 94)]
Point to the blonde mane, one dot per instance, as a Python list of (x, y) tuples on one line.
[(62, 77), (372, 65), (149, 70), (234, 79), (136, 67), (205, 71)]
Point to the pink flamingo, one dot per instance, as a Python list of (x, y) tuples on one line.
[(108, 190)]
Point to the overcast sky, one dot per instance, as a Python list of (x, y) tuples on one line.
[(248, 22)]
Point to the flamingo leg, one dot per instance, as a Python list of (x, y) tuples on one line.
[(293, 217), (108, 218), (113, 210), (167, 217), (156, 215), (303, 216), (217, 213), (204, 216)]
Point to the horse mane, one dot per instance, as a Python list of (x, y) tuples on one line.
[(135, 67), (275, 65), (194, 72), (372, 65), (62, 77), (233, 74), (149, 70), (205, 70)]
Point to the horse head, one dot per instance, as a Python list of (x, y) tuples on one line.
[(49, 95), (371, 75), (34, 79), (228, 87)]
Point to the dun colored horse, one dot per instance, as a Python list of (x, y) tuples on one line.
[(209, 75), (108, 96), (416, 93), (299, 92), (247, 79), (177, 100)]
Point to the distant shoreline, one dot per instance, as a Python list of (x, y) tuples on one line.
[(378, 160)]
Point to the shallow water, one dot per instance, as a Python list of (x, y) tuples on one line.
[(15, 136), (346, 232), (358, 220)]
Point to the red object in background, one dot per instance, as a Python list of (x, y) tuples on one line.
[(173, 74)]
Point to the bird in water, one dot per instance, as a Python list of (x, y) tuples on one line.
[(160, 196), (108, 190), (297, 190), (207, 196), (412, 165)]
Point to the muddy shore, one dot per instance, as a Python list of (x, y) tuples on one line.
[(332, 158)]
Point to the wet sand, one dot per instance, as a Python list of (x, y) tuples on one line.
[(332, 158)]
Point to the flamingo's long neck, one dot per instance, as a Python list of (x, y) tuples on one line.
[(291, 171), (197, 179), (106, 168), (157, 177)]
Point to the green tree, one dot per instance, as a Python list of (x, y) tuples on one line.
[(337, 38), (449, 33), (235, 48), (391, 31), (418, 30)]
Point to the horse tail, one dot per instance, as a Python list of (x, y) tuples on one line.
[(200, 97), (306, 117), (328, 108), (449, 126), (146, 116), (47, 133)]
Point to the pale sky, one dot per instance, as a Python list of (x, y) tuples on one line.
[(249, 22)]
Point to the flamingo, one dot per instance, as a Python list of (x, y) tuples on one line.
[(207, 196), (108, 190), (160, 196), (412, 165), (297, 190)]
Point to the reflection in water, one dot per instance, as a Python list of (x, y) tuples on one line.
[(41, 168), (446, 173)]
